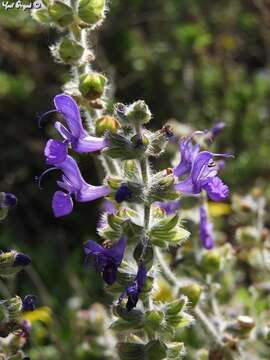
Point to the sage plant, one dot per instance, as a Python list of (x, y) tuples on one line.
[(14, 330), (143, 218)]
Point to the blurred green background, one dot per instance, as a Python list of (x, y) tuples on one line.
[(196, 61)]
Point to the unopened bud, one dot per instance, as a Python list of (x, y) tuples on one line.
[(41, 15), (193, 292), (139, 141), (10, 309), (176, 306), (154, 318), (70, 51), (60, 13), (245, 322), (114, 182), (211, 261), (106, 123), (91, 11), (92, 85), (12, 262), (156, 350), (175, 350), (131, 351), (138, 112)]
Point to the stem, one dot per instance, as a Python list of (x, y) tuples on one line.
[(213, 334)]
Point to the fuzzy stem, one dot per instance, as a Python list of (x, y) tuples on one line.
[(206, 324)]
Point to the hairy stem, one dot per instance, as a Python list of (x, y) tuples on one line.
[(213, 333)]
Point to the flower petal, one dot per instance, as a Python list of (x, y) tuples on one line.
[(68, 107), (89, 192), (206, 229), (117, 251), (186, 186), (62, 204), (55, 152), (215, 188), (89, 144), (93, 248)]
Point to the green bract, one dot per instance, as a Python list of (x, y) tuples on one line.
[(92, 85), (91, 11), (70, 51), (60, 13)]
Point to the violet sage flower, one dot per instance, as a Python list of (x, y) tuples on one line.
[(132, 292), (203, 176), (106, 260), (170, 207), (7, 200), (29, 303), (206, 229), (75, 135), (72, 182), (216, 129), (123, 193), (187, 152)]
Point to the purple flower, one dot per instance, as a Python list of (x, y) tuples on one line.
[(216, 129), (206, 229), (187, 151), (106, 260), (29, 303), (203, 177), (170, 207), (72, 183), (123, 193), (75, 135), (133, 291), (21, 260), (7, 200)]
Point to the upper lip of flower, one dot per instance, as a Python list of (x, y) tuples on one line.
[(203, 168), (80, 140)]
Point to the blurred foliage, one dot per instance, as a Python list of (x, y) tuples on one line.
[(191, 60)]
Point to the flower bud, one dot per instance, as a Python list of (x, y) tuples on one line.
[(131, 351), (12, 262), (10, 310), (41, 15), (92, 85), (122, 148), (245, 322), (134, 315), (241, 327), (156, 350), (247, 234), (154, 318), (138, 112), (193, 292), (106, 123), (69, 51), (176, 350), (91, 11), (60, 13), (211, 261), (174, 307), (114, 182)]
